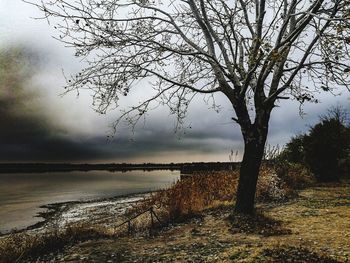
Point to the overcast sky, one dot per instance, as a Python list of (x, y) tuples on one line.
[(39, 125)]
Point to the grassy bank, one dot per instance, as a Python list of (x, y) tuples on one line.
[(27, 246), (314, 227), (195, 214)]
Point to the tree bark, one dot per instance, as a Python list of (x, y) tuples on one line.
[(254, 144)]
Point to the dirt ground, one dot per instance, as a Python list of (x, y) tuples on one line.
[(313, 227)]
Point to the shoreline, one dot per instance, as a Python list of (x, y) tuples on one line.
[(53, 211), (312, 227), (114, 167)]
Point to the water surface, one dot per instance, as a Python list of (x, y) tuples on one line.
[(22, 194)]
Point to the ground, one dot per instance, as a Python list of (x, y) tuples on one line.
[(312, 227)]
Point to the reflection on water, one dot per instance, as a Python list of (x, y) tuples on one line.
[(22, 194)]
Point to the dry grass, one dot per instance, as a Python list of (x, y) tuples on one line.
[(19, 246), (295, 176), (191, 195), (257, 224), (203, 190), (292, 254)]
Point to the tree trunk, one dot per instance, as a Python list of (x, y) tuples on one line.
[(254, 143)]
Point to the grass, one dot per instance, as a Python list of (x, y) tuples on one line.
[(257, 224), (292, 254), (18, 246), (190, 196)]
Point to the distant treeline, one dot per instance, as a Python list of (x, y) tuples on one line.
[(185, 168)]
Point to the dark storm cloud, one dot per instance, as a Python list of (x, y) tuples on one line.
[(29, 133), (32, 138), (31, 128), (38, 126), (26, 133)]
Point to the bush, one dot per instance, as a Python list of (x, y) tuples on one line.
[(191, 195), (270, 187), (294, 175), (326, 145), (325, 149), (294, 150), (203, 190)]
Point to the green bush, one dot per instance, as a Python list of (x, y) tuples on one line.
[(325, 149), (327, 144), (294, 150)]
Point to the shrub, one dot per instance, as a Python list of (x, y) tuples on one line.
[(327, 144), (191, 195), (294, 150), (294, 175), (204, 190), (325, 149), (270, 187)]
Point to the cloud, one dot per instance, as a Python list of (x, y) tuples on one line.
[(27, 133), (33, 130), (30, 130)]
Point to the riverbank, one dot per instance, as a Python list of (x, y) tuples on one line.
[(197, 225), (313, 227), (69, 167), (21, 195), (105, 211)]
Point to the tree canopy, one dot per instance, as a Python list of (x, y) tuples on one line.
[(252, 51)]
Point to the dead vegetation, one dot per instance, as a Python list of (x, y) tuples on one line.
[(293, 254), (204, 190), (19, 246)]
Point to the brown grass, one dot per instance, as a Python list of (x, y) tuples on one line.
[(191, 195), (293, 254), (19, 246), (295, 176), (258, 223)]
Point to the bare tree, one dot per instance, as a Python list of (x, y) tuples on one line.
[(256, 52)]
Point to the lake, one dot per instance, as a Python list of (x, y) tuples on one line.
[(21, 194)]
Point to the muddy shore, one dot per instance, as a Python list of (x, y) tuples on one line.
[(102, 211)]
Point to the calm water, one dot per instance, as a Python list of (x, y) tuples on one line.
[(22, 194)]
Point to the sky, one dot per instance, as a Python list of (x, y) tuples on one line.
[(37, 124)]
